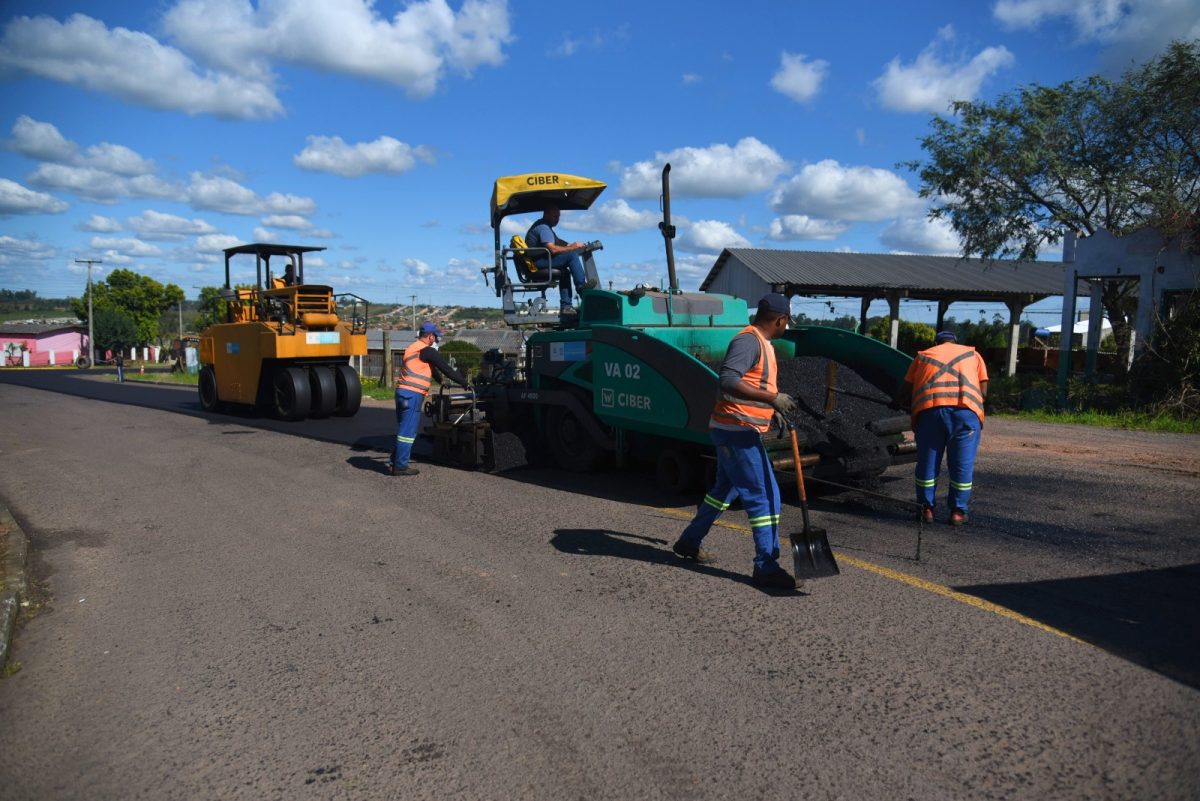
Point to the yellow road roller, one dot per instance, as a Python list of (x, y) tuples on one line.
[(285, 345)]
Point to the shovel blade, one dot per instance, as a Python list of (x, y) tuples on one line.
[(811, 554)]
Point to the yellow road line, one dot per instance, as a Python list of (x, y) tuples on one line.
[(912, 581)]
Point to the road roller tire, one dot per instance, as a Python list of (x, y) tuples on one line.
[(210, 401), (291, 397), (323, 389), (349, 391)]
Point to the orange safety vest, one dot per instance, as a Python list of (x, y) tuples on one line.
[(947, 375), (415, 375), (730, 410)]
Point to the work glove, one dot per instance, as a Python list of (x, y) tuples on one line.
[(784, 403)]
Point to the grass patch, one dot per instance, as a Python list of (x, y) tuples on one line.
[(184, 379), (1130, 420)]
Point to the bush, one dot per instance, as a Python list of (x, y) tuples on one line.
[(467, 357), (912, 336)]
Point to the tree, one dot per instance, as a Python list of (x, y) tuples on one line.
[(212, 308), (114, 329), (912, 336), (138, 297), (1014, 175)]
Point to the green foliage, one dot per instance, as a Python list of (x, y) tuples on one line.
[(140, 298), (1167, 375), (487, 314), (912, 336), (211, 307), (465, 355), (27, 300), (114, 329)]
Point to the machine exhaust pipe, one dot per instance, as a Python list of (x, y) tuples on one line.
[(668, 230)]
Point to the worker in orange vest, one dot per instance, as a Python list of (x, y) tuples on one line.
[(747, 402), (413, 383), (945, 387)]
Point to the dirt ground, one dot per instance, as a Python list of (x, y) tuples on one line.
[(1111, 447)]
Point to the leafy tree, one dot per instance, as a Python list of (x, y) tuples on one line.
[(1014, 175), (138, 297), (912, 336), (466, 356), (114, 329), (212, 308)]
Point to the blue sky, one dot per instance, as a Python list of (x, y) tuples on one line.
[(151, 135)]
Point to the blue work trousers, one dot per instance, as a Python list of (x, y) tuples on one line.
[(573, 263), (954, 432), (744, 470), (408, 417)]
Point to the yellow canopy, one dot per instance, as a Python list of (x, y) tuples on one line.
[(518, 194)]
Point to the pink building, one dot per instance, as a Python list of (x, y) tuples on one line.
[(41, 344)]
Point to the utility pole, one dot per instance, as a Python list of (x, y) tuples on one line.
[(91, 328), (414, 311)]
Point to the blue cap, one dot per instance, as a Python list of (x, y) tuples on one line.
[(944, 336), (430, 328), (775, 303)]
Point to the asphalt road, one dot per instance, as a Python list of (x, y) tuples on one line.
[(239, 608)]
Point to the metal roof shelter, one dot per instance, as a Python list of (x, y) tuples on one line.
[(750, 273)]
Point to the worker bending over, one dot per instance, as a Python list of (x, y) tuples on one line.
[(747, 401), (945, 387), (413, 383)]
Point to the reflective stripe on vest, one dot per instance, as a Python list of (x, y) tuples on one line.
[(942, 382), (415, 375), (731, 410)]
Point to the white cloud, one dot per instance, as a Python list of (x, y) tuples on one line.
[(263, 235), (217, 193), (794, 227), (215, 243), (1135, 30), (117, 159), (101, 225), (716, 171), (17, 199), (412, 50), (26, 249), (710, 236), (130, 65), (827, 190), (128, 246), (41, 141), (799, 79), (112, 257), (98, 185), (614, 217), (930, 84), (923, 236), (419, 273), (293, 222), (691, 78), (152, 224), (384, 155)]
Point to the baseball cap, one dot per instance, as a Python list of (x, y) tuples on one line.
[(775, 303), (430, 328), (944, 336)]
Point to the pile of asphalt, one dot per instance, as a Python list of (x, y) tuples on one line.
[(842, 436)]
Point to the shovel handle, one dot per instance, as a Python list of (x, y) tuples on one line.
[(800, 478)]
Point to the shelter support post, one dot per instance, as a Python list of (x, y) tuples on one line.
[(863, 307), (1147, 310), (1068, 325), (1015, 307), (1095, 326), (893, 299), (943, 307)]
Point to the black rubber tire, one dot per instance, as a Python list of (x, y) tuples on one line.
[(210, 401), (676, 471), (569, 441), (349, 391), (323, 388), (291, 397), (83, 362)]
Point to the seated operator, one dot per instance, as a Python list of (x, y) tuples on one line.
[(562, 254), (288, 279)]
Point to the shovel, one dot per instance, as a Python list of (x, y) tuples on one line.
[(811, 553)]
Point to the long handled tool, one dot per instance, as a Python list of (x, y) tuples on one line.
[(811, 553)]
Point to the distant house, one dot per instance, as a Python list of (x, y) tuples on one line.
[(41, 344)]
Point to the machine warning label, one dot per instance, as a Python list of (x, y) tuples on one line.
[(568, 351), (322, 338), (233, 347), (612, 399)]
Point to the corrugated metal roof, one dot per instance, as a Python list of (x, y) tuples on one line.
[(852, 273), (34, 329)]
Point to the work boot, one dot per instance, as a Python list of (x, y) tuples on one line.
[(567, 310), (591, 283), (402, 471), (693, 553), (958, 518), (926, 514), (773, 578)]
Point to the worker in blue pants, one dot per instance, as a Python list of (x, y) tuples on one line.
[(955, 433), (743, 469)]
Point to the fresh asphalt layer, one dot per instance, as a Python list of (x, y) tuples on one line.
[(242, 608)]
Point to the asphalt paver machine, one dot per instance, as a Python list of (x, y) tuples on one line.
[(285, 345), (632, 377)]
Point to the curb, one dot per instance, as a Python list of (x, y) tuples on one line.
[(12, 569)]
